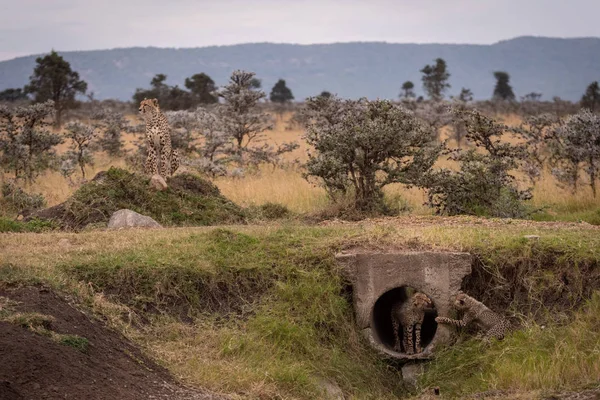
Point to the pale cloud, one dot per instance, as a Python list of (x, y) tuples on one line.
[(36, 26)]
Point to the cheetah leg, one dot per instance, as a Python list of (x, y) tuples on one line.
[(396, 326), (408, 337), (151, 166), (494, 332), (418, 338), (174, 161), (165, 159)]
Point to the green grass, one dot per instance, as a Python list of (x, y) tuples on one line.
[(35, 225), (263, 312), (189, 200), (77, 342), (536, 358)]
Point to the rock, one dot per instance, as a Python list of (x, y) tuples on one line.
[(410, 374), (531, 237), (158, 183), (130, 219), (331, 390)]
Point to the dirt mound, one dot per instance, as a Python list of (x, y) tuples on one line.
[(34, 366), (189, 201)]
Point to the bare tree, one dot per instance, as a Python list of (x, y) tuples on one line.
[(80, 149)]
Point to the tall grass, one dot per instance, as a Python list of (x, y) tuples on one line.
[(536, 358)]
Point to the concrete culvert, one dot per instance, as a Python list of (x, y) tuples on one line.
[(381, 319), (381, 279)]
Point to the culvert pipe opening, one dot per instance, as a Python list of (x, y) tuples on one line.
[(389, 304)]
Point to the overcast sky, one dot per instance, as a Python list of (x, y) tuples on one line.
[(36, 26)]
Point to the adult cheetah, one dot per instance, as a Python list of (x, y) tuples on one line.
[(162, 158)]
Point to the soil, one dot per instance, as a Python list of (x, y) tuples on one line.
[(33, 366)]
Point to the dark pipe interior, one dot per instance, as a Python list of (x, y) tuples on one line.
[(382, 318)]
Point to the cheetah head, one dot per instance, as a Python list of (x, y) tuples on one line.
[(461, 301), (422, 301), (148, 106)]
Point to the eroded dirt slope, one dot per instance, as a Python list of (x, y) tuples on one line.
[(34, 366)]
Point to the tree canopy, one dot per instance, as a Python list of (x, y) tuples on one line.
[(53, 79)]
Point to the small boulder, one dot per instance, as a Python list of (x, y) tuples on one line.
[(130, 219), (158, 183)]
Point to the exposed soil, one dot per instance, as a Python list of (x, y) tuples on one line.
[(33, 366)]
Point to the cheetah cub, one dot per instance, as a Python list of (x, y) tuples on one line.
[(493, 324), (410, 315)]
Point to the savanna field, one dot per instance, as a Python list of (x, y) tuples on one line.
[(254, 305)]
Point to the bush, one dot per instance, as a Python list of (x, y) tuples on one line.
[(484, 184), (15, 199), (35, 225), (362, 146), (269, 211)]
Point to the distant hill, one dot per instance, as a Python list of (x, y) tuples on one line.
[(553, 67)]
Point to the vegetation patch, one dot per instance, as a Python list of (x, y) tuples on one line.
[(33, 225), (556, 357), (189, 200)]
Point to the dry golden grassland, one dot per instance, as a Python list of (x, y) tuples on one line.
[(285, 185)]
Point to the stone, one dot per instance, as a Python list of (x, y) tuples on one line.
[(158, 182), (411, 373), (331, 390), (374, 274), (531, 237), (130, 219)]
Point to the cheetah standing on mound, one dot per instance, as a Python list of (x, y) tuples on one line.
[(410, 315), (162, 159), (493, 325)]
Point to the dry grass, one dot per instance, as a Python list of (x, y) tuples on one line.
[(287, 186)]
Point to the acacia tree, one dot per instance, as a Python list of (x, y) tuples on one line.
[(574, 147), (26, 142), (591, 98), (503, 90), (202, 88), (407, 92), (361, 146), (281, 93), (12, 95), (80, 149), (241, 117), (435, 79), (53, 79)]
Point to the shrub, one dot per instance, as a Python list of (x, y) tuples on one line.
[(26, 142), (362, 146), (15, 199), (483, 185), (574, 147)]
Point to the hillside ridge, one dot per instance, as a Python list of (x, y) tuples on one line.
[(551, 66)]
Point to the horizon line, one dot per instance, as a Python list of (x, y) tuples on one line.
[(311, 44)]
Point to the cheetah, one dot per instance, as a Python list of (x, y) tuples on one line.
[(493, 324), (410, 315), (162, 158)]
